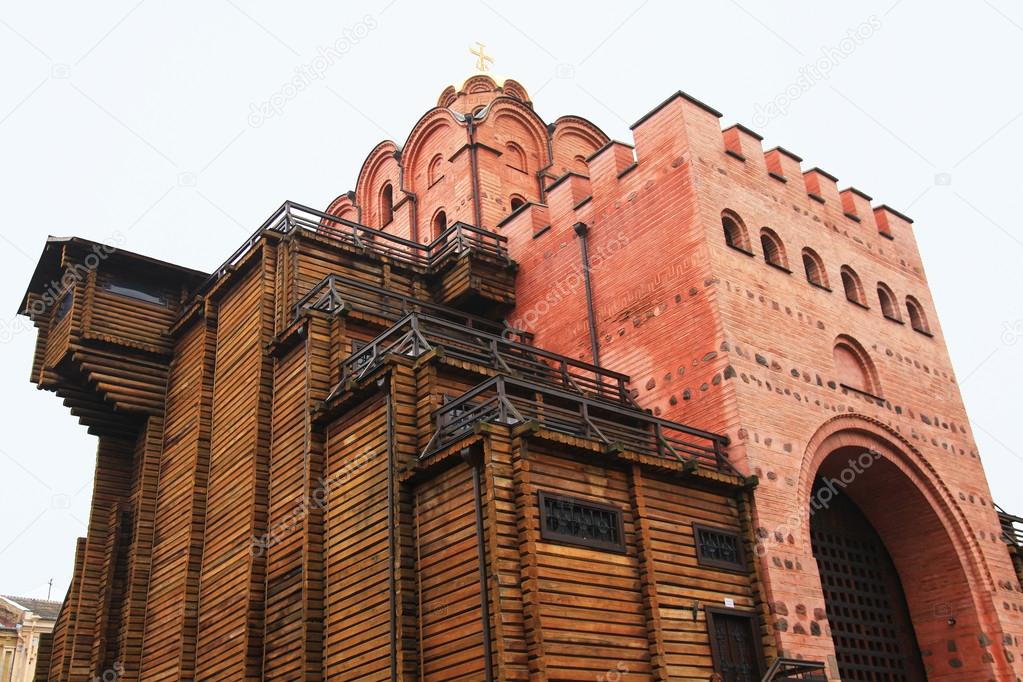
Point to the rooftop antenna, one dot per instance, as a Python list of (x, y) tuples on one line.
[(49, 587)]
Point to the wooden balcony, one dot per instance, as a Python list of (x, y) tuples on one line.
[(465, 265), (102, 316)]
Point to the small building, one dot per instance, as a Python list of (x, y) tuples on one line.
[(26, 627)]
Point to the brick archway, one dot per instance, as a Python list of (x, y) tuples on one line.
[(939, 564)]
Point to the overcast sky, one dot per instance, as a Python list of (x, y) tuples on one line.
[(145, 122)]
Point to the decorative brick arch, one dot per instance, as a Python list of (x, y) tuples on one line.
[(945, 576), (380, 168), (857, 430), (344, 207), (573, 137), (436, 131)]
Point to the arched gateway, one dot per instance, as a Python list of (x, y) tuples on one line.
[(898, 577)]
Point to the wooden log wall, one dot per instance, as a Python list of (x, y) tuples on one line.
[(126, 320), (237, 535), (111, 487), (141, 513), (64, 628), (294, 537), (677, 577), (504, 567), (172, 605), (231, 585), (357, 623), (44, 654), (447, 569)]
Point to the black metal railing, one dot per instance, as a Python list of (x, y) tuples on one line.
[(795, 669), (336, 293), (417, 333), (455, 240), (1012, 527), (506, 400)]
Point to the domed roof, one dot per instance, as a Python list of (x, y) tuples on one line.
[(480, 89)]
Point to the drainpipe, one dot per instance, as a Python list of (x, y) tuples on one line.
[(474, 458), (470, 123), (391, 549), (584, 254)]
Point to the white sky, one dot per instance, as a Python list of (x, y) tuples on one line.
[(135, 118)]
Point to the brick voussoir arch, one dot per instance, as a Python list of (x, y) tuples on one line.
[(859, 430)]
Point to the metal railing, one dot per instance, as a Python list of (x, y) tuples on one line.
[(336, 293), (795, 669), (456, 239), (505, 400), (417, 333), (1012, 527)]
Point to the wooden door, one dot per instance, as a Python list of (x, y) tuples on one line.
[(734, 644)]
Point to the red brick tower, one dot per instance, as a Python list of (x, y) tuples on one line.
[(746, 296)]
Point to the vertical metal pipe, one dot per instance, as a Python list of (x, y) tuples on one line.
[(391, 552), (470, 123), (481, 554), (582, 230)]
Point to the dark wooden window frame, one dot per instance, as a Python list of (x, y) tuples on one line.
[(130, 287), (702, 560), (565, 539), (63, 306), (754, 621)]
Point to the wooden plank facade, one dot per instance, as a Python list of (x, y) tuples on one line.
[(315, 464)]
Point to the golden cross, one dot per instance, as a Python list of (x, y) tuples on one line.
[(482, 59)]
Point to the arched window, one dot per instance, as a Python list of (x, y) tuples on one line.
[(433, 173), (579, 164), (853, 366), (774, 251), (852, 286), (516, 156), (814, 267), (386, 205), (735, 232), (516, 202), (917, 319), (887, 300), (440, 223)]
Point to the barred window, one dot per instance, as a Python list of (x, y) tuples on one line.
[(718, 548), (574, 521)]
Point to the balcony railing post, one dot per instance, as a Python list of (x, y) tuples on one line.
[(502, 401)]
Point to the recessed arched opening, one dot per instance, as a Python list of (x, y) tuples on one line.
[(853, 366), (879, 524), (852, 286), (439, 223), (386, 205), (735, 232), (886, 299), (774, 250), (865, 603), (814, 268), (517, 202), (515, 156), (434, 172), (917, 318)]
